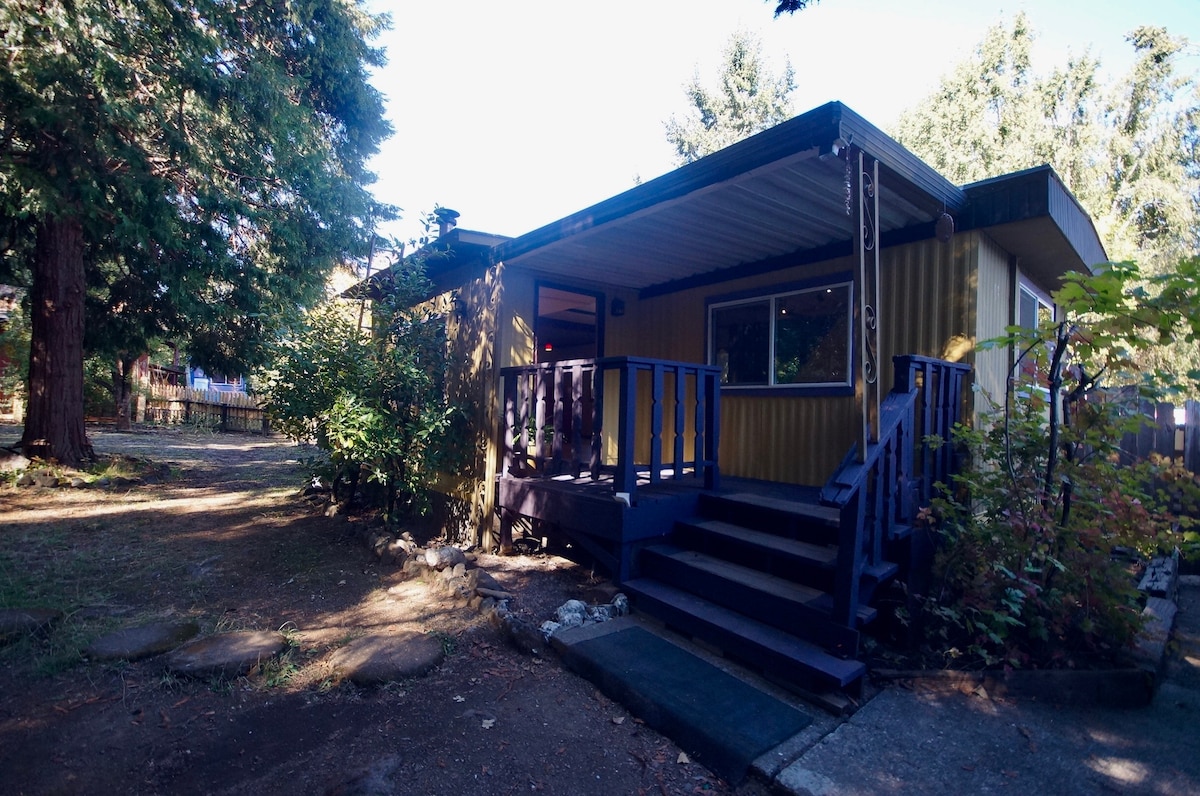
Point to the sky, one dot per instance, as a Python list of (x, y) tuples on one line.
[(519, 112)]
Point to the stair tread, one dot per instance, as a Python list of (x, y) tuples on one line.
[(822, 555), (825, 515), (804, 653), (756, 579)]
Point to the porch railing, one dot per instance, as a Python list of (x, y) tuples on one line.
[(555, 415), (879, 497)]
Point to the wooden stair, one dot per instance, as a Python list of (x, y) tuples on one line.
[(753, 575)]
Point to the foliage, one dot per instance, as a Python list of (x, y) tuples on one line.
[(375, 403), (1028, 571), (749, 99), (199, 166), (1126, 150), (792, 6), (14, 352)]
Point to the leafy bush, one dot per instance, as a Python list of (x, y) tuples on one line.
[(1040, 536), (374, 402)]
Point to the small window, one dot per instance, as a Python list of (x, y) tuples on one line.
[(798, 338), (1035, 310)]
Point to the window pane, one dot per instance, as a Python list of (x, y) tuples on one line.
[(812, 337), (740, 337)]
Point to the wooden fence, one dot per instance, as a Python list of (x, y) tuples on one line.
[(1164, 430), (225, 411)]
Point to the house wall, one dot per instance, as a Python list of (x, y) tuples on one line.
[(997, 310), (929, 308), (478, 335)]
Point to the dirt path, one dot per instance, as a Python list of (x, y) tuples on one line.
[(221, 537)]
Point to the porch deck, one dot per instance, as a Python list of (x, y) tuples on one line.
[(779, 573)]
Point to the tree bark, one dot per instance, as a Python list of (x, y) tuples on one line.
[(122, 391), (54, 422)]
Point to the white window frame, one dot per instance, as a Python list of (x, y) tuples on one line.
[(772, 300)]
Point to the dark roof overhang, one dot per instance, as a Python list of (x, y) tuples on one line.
[(780, 197), (1033, 216), (450, 261)]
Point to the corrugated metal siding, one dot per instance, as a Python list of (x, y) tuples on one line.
[(790, 440), (928, 301), (997, 295)]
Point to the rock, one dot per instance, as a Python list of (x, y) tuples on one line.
[(620, 605), (25, 621), (135, 643), (45, 480), (400, 548), (25, 479), (481, 579), (103, 480), (524, 635), (10, 461), (442, 557), (600, 613), (572, 613), (495, 594), (226, 654), (78, 483), (459, 570), (383, 658), (549, 627)]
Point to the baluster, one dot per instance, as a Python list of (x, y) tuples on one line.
[(656, 422), (680, 419)]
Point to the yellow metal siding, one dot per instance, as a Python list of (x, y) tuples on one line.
[(997, 299)]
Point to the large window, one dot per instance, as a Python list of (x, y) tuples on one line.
[(797, 338)]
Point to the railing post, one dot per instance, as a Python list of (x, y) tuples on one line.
[(626, 476), (510, 426), (656, 422), (680, 417), (576, 420), (597, 419), (710, 408)]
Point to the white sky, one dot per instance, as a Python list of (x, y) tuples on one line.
[(519, 112)]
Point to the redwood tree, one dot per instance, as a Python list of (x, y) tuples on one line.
[(186, 169)]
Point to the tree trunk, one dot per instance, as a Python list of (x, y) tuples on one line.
[(54, 422), (122, 391)]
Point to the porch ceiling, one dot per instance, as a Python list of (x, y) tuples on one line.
[(780, 194)]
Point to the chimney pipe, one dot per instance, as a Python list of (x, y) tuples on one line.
[(447, 220)]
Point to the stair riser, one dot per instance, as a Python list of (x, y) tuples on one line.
[(794, 568), (798, 619), (763, 658), (761, 518)]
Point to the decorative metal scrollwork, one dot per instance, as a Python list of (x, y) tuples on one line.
[(868, 211), (870, 345)]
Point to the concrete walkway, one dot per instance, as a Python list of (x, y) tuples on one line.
[(907, 742), (923, 740)]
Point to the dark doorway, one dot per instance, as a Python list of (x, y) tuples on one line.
[(569, 324)]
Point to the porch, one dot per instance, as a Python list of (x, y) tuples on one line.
[(781, 574)]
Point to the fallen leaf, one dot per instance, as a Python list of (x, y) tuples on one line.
[(487, 724), (968, 768), (683, 758), (618, 720), (458, 698)]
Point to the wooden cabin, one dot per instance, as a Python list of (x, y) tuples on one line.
[(718, 382)]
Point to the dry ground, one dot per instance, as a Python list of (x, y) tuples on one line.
[(217, 533)]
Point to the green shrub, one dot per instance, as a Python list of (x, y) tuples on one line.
[(1042, 534), (375, 402)]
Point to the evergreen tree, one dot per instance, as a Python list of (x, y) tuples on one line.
[(188, 169), (1128, 151), (749, 99)]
